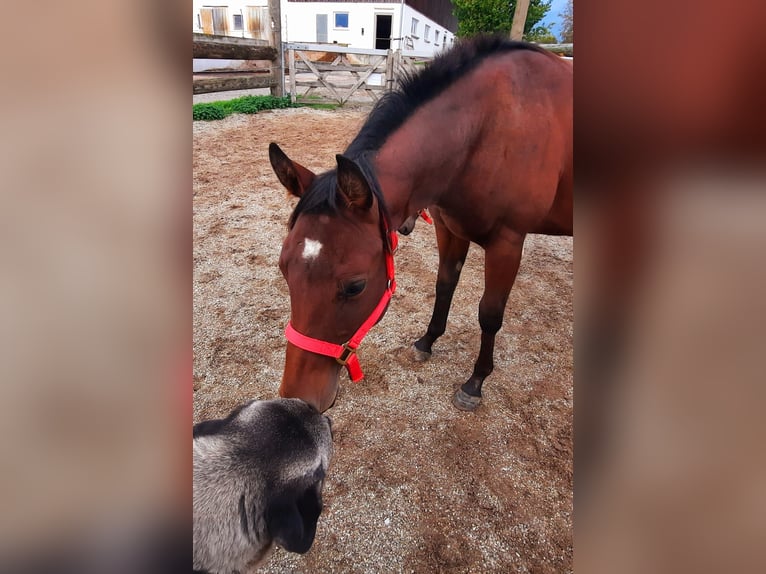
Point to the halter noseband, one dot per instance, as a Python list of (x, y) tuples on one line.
[(345, 354)]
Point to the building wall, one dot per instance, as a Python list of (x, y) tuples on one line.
[(233, 7), (299, 24), (414, 34)]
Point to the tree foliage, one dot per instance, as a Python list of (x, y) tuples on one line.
[(541, 35), (477, 16), (567, 23)]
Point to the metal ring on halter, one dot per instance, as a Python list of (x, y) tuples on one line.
[(346, 355)]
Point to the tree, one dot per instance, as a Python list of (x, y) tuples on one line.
[(541, 35), (477, 16), (567, 23)]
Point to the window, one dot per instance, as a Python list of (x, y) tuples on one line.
[(427, 33), (414, 27), (341, 20), (436, 37), (238, 21)]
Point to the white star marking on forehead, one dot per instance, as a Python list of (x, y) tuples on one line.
[(311, 249)]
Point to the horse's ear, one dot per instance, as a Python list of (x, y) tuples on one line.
[(353, 187), (293, 175)]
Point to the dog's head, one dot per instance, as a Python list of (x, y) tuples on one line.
[(272, 457), (296, 476)]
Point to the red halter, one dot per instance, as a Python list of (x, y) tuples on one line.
[(345, 354)]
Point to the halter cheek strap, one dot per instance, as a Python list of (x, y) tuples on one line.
[(345, 354)]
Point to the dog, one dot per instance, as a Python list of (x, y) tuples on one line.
[(258, 478)]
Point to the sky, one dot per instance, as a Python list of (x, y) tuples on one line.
[(552, 19)]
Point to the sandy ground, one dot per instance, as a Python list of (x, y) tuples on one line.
[(415, 485)]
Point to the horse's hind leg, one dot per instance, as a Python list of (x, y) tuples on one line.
[(500, 267), (452, 253)]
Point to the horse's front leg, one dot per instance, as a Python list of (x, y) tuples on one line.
[(500, 267), (452, 253)]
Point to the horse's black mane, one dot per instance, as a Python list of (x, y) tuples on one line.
[(395, 107)]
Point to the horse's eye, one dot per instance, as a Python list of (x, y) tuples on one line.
[(354, 288)]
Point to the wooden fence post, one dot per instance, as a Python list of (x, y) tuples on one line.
[(291, 66), (277, 68), (390, 70)]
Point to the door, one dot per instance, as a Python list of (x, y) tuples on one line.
[(258, 23), (215, 20), (321, 28), (383, 31)]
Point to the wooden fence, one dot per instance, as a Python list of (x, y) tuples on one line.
[(317, 72), (320, 72), (331, 73), (260, 21), (230, 48)]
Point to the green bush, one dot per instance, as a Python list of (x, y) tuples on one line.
[(247, 106), (243, 105), (209, 111)]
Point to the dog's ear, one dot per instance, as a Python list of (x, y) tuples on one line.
[(217, 426), (292, 519), (204, 428)]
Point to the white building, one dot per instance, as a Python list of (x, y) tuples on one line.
[(378, 24)]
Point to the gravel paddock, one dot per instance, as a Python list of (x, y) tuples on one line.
[(415, 485)]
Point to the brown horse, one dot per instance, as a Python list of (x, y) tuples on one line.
[(483, 138)]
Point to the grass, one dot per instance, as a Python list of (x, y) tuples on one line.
[(316, 102), (243, 105), (254, 104), (320, 106)]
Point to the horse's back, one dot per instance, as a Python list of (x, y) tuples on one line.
[(525, 154)]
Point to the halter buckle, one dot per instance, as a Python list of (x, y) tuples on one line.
[(345, 355)]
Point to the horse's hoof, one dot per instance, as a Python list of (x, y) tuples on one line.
[(464, 401), (420, 356)]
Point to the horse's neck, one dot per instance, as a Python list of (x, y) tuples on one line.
[(417, 162)]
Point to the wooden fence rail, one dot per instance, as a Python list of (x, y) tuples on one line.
[(230, 48), (317, 72), (560, 49)]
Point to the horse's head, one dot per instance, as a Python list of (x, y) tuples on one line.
[(334, 259)]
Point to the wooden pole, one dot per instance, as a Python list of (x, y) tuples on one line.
[(291, 66), (519, 19), (389, 80), (277, 68), (230, 48), (206, 83)]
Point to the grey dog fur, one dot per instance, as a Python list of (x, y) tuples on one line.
[(258, 478)]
